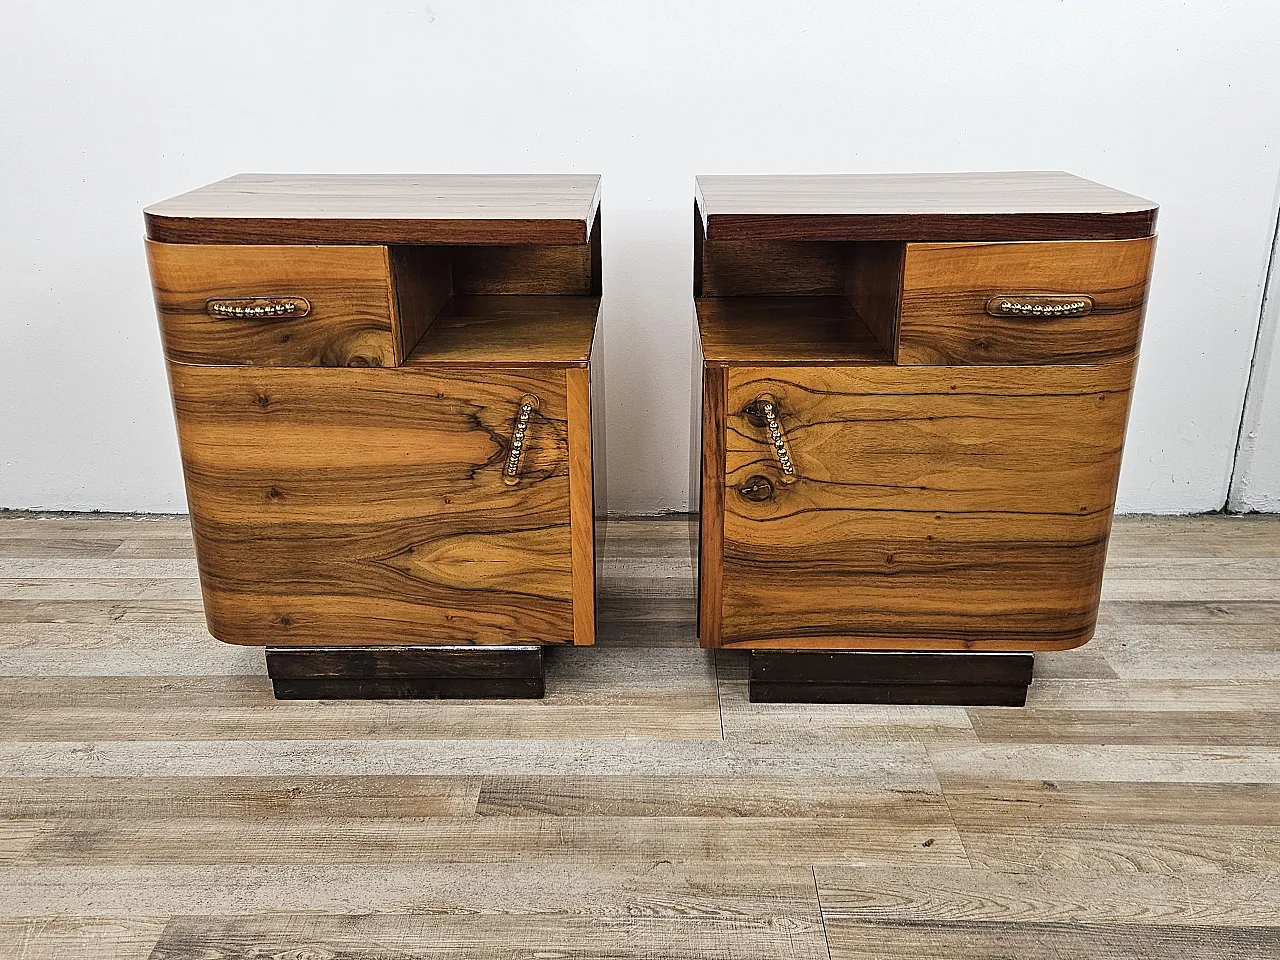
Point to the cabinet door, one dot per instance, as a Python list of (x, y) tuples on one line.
[(344, 506), (930, 508)]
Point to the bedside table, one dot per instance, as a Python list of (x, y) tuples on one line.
[(384, 389), (914, 398)]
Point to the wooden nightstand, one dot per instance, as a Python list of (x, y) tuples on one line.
[(384, 389), (914, 398)]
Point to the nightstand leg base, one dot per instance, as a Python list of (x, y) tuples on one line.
[(956, 679), (406, 673)]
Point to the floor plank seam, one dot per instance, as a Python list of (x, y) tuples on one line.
[(822, 914)]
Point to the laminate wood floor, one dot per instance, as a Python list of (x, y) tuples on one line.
[(155, 801)]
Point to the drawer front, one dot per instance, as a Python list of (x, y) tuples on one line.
[(954, 294), (342, 300), (961, 508), (354, 507)]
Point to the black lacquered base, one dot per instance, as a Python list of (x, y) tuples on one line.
[(414, 673), (956, 679)]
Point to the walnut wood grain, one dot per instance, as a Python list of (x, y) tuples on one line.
[(1024, 205), (381, 209), (350, 323), (581, 504), (963, 508), (711, 511), (506, 330), (785, 330), (357, 507), (873, 285), (423, 280), (523, 269), (945, 289)]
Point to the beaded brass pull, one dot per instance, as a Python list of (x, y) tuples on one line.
[(763, 411), (511, 472), (1040, 306), (260, 308)]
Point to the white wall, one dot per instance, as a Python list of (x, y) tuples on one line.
[(104, 108), (1256, 483)]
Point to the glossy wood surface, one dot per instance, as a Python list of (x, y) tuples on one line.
[(946, 287), (962, 508), (159, 802), (1023, 205), (381, 209), (349, 507), (351, 321), (581, 503), (778, 330), (711, 503), (504, 330)]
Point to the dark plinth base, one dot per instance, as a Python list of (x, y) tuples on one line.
[(959, 679), (422, 673)]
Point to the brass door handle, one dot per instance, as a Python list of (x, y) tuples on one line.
[(511, 473), (1074, 306), (763, 411), (260, 308)]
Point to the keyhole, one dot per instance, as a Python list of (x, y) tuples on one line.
[(756, 489)]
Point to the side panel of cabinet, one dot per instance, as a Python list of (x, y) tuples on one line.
[(934, 508), (357, 507)]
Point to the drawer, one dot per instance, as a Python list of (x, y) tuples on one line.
[(923, 508), (1072, 302), (281, 306), (350, 507)]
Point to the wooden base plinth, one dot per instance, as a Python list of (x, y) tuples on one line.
[(958, 679), (396, 673)]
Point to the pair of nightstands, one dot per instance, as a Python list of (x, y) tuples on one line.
[(914, 396)]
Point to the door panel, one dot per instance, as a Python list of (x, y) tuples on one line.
[(943, 508), (335, 507)]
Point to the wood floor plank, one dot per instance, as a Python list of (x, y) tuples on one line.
[(680, 840), (1067, 801), (1124, 613), (231, 798), (1161, 695), (849, 723), (28, 548), (900, 766), (111, 569), (1112, 763), (1000, 941), (794, 797), (1206, 728), (1195, 537), (107, 526), (572, 888), (948, 895), (126, 639), (102, 611), (244, 708), (73, 938), (385, 936), (1119, 848), (100, 589)]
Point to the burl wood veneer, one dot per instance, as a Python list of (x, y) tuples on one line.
[(383, 388), (914, 398)]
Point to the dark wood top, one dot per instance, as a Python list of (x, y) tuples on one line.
[(778, 331), (381, 208), (509, 329), (974, 207)]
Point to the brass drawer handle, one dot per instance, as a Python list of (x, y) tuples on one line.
[(260, 308), (763, 411), (511, 473), (1079, 306)]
